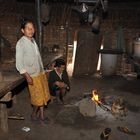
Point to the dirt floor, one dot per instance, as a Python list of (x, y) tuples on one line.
[(66, 122)]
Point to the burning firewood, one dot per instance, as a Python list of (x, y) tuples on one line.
[(96, 99)]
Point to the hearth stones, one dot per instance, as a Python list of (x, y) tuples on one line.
[(87, 107)]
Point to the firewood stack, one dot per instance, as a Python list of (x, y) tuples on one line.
[(124, 67)]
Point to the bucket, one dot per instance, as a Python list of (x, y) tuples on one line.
[(137, 48), (108, 64)]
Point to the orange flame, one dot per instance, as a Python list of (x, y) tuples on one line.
[(95, 96)]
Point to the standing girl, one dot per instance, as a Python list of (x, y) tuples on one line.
[(29, 64)]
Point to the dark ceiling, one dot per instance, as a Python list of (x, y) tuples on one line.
[(71, 1)]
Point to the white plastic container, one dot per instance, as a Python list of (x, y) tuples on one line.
[(137, 48), (108, 64)]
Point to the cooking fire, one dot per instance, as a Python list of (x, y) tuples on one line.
[(117, 108), (95, 98)]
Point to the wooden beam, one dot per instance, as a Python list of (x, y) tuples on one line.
[(7, 97), (10, 85)]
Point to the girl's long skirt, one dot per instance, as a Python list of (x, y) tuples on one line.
[(39, 91)]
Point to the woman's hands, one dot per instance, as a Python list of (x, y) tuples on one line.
[(28, 78), (61, 84)]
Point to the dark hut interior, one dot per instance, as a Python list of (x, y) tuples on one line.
[(100, 43)]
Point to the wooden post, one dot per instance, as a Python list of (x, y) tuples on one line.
[(3, 117), (0, 50), (1, 76), (14, 99), (39, 25), (0, 44), (3, 112), (67, 37)]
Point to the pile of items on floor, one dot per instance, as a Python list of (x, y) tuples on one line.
[(126, 68)]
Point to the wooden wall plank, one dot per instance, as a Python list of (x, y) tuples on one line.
[(86, 54)]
